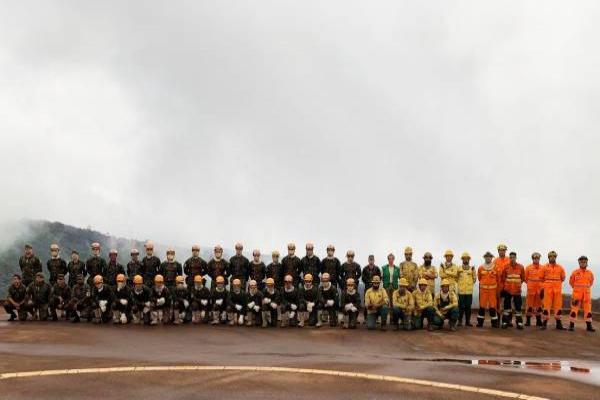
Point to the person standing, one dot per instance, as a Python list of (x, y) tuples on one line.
[(449, 270), (512, 280), (150, 265), (554, 276), (428, 272), (75, 268), (239, 265), (56, 265), (194, 266), (30, 265), (581, 281), (390, 274), (409, 269), (311, 264), (488, 277), (466, 280), (534, 278)]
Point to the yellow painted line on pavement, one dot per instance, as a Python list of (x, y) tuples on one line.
[(343, 374)]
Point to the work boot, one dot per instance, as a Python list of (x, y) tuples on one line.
[(453, 326), (75, 319), (538, 320), (383, 326), (528, 321), (519, 323), (231, 319), (249, 319), (480, 322), (544, 325), (589, 327), (265, 316), (559, 325), (495, 323), (571, 326), (215, 318), (13, 316), (301, 318)]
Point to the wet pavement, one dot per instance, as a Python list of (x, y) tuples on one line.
[(551, 364)]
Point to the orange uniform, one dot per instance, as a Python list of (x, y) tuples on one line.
[(534, 278), (488, 287), (554, 276), (581, 281), (501, 263), (512, 278)]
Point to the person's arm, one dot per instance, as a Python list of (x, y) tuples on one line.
[(572, 280)]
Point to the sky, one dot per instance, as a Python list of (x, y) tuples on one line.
[(369, 125)]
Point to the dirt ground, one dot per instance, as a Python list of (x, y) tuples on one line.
[(532, 362)]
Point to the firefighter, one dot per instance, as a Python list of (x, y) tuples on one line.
[(122, 304), (331, 265), (390, 274), (376, 303), (290, 303), (141, 299), (255, 298), (423, 305), (75, 268), (554, 276), (466, 280), (270, 304), (409, 269), (328, 299), (349, 270), (239, 265), (170, 269), (274, 271), (512, 280), (309, 303), (95, 265), (200, 297), (258, 269), (160, 302), (446, 306), (16, 299), (350, 304), (534, 277), (236, 303), (102, 300), (449, 270), (291, 264), (488, 277), (581, 281), (217, 266), (180, 300), (193, 266), (150, 265), (61, 295), (311, 264), (218, 296), (56, 265), (428, 272), (500, 262), (30, 265), (80, 305), (38, 297), (134, 266), (368, 272), (403, 305), (113, 268)]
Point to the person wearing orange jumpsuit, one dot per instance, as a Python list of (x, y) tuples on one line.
[(512, 279), (534, 276), (487, 275), (581, 281), (554, 276), (501, 262)]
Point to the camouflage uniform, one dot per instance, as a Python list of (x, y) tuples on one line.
[(29, 267), (218, 268), (61, 295), (95, 265), (134, 268), (19, 295), (74, 269), (38, 299), (80, 304), (56, 266), (112, 270)]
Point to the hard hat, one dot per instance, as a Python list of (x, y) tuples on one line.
[(170, 251), (448, 253), (536, 254), (408, 250), (291, 246), (350, 253), (113, 251), (252, 283), (179, 279), (288, 278), (376, 279), (95, 245), (149, 245), (195, 247), (325, 276), (552, 254), (270, 281), (445, 282), (256, 252), (159, 279), (349, 282), (120, 278), (54, 246), (98, 279), (582, 258), (403, 282), (134, 251), (198, 279), (308, 278), (488, 254), (220, 279), (237, 282), (422, 281), (275, 253), (427, 255), (502, 246), (330, 247), (465, 255), (137, 280)]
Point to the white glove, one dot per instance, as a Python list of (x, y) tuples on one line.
[(204, 302), (257, 308), (241, 320), (146, 310), (160, 301), (123, 318), (186, 303), (292, 314), (354, 309), (329, 303), (266, 300), (273, 306), (251, 304), (147, 304), (309, 306), (294, 307), (123, 301), (102, 304), (238, 307), (348, 307), (219, 302)]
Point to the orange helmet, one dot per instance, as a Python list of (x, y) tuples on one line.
[(137, 280), (179, 279), (159, 279), (308, 278), (270, 281), (198, 278), (220, 279)]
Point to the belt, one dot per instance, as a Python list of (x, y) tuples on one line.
[(553, 280), (488, 286), (583, 286)]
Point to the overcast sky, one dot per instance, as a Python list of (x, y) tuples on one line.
[(371, 126)]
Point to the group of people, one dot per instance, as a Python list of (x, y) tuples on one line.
[(296, 291)]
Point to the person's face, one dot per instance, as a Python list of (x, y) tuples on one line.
[(75, 257), (149, 251), (390, 260), (325, 279), (466, 261), (80, 280), (134, 256), (583, 264), (427, 260), (448, 258), (288, 283), (408, 256), (535, 259), (138, 286), (308, 283), (96, 251), (310, 251), (60, 281), (371, 261), (28, 251), (350, 258), (256, 257), (218, 253), (238, 250), (351, 287), (112, 257), (445, 288), (513, 259), (422, 288), (195, 253), (270, 286), (330, 252), (98, 285), (275, 259), (54, 253), (220, 285), (402, 289), (291, 251), (170, 256), (39, 280), (552, 259), (375, 285), (502, 253), (16, 281), (488, 259)]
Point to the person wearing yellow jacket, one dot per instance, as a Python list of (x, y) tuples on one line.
[(402, 306), (466, 280), (446, 306), (423, 305), (409, 269), (428, 271), (377, 303), (449, 270)]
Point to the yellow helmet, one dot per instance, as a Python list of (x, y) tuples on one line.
[(408, 250), (502, 246), (98, 279), (270, 281), (445, 282), (179, 279), (376, 279), (422, 281), (120, 278), (137, 280), (275, 253), (465, 255), (552, 254), (403, 282), (159, 279), (308, 278), (198, 279), (448, 253), (220, 279)]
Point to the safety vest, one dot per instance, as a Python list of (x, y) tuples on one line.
[(488, 279)]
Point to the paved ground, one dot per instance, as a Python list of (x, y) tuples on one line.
[(438, 356)]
